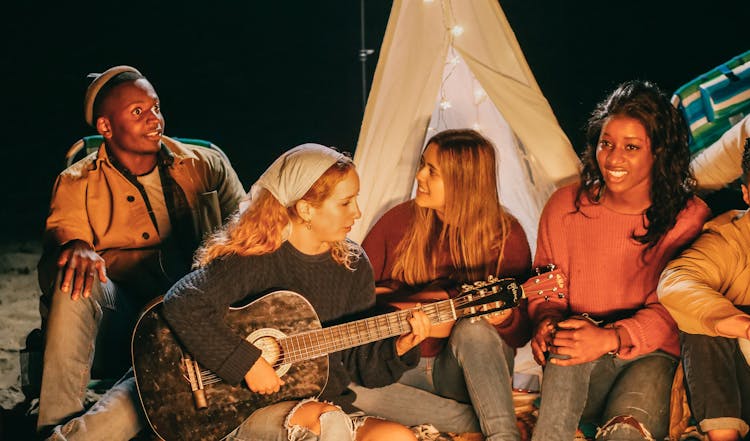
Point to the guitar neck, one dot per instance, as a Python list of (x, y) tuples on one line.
[(313, 344)]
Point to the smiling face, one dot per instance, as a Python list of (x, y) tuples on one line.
[(131, 120), (625, 159), (332, 220), (430, 184)]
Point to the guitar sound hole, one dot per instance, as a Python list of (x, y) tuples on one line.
[(267, 340)]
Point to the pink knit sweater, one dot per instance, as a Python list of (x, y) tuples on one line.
[(609, 277)]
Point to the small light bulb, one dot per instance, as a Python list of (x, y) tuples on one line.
[(476, 127), (454, 61), (479, 95), (457, 30), (445, 104)]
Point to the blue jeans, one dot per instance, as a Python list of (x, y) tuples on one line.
[(466, 388), (601, 390), (74, 329), (718, 382), (271, 423)]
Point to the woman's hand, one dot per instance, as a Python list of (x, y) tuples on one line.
[(579, 340), (262, 378), (420, 329), (542, 339)]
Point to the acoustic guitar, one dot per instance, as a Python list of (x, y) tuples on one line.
[(184, 401)]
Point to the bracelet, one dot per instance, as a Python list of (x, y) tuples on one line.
[(616, 352)]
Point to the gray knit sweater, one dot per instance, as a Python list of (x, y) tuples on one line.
[(195, 307)]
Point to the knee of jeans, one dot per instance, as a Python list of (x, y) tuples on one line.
[(624, 427), (312, 415), (474, 333)]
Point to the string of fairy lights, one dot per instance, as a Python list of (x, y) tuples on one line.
[(453, 59)]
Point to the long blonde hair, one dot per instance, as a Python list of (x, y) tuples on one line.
[(260, 229), (475, 226)]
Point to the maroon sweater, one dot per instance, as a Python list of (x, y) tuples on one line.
[(380, 245)]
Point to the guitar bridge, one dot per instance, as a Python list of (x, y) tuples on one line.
[(196, 381)]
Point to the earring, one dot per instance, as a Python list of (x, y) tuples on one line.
[(308, 224)]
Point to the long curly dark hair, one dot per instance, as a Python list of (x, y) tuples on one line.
[(672, 182)]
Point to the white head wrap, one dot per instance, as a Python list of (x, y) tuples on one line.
[(293, 173)]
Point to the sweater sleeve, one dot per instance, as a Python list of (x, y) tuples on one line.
[(550, 249), (195, 308), (651, 327), (516, 263)]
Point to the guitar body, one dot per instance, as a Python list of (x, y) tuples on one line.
[(161, 375)]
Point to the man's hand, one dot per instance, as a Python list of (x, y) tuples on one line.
[(579, 340), (80, 265), (420, 329), (542, 339), (262, 378)]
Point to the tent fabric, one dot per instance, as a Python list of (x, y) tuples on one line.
[(428, 45)]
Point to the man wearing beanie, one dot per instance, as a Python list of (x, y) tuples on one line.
[(122, 228)]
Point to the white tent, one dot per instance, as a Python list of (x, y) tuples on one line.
[(454, 64)]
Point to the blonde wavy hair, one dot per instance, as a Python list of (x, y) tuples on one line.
[(260, 229), (475, 226)]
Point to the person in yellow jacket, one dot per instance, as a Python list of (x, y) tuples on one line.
[(123, 225), (707, 291)]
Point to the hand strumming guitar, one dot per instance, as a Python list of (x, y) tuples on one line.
[(262, 378), (80, 264)]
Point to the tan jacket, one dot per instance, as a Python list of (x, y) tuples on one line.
[(93, 202), (702, 285)]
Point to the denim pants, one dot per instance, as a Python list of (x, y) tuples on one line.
[(466, 388), (271, 423), (74, 329), (718, 382), (608, 387)]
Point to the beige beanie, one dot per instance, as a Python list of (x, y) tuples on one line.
[(99, 81)]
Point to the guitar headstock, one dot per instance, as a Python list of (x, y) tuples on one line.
[(494, 295), (487, 296), (548, 281)]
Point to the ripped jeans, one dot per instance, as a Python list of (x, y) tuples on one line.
[(271, 423), (600, 391)]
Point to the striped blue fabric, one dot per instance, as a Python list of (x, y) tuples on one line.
[(715, 101)]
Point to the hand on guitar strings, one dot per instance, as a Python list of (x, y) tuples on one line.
[(262, 378), (579, 340), (420, 329)]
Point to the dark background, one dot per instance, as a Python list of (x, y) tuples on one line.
[(258, 78)]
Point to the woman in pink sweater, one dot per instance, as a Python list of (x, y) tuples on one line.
[(454, 231), (610, 348)]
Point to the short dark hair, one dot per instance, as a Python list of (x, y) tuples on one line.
[(107, 88), (746, 162)]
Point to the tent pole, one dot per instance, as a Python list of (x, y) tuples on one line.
[(363, 53)]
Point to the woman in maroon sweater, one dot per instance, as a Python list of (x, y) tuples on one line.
[(612, 346), (455, 230)]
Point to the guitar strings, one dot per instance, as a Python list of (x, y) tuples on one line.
[(295, 348)]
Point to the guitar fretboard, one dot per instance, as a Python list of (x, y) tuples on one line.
[(348, 335)]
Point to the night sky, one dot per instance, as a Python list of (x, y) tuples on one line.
[(257, 78)]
